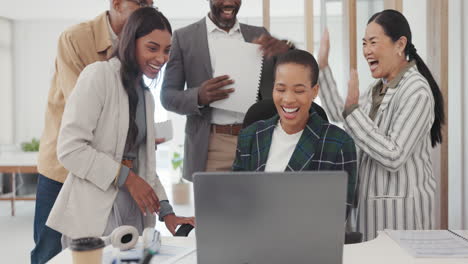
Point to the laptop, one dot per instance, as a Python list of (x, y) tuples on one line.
[(259, 217)]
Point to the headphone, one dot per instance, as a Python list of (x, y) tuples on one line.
[(126, 237), (123, 238)]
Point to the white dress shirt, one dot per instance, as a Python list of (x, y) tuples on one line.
[(114, 37), (221, 116), (281, 148)]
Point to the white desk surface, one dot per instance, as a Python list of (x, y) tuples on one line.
[(382, 250), (18, 158)]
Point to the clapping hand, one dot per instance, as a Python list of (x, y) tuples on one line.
[(324, 50)]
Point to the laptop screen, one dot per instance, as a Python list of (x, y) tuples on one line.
[(260, 217)]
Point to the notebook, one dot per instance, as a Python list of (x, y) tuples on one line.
[(431, 243), (242, 61)]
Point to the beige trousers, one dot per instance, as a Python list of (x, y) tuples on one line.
[(221, 152)]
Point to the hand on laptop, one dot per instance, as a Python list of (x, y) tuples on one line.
[(172, 221)]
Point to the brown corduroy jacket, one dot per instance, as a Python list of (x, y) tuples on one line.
[(78, 47)]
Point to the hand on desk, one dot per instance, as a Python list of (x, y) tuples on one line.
[(172, 221)]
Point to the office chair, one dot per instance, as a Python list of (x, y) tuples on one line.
[(265, 109)]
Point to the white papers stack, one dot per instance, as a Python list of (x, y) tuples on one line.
[(431, 243), (242, 61)]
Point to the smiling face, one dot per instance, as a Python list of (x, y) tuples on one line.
[(382, 54), (224, 12), (293, 95), (152, 52)]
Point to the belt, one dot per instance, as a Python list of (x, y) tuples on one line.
[(233, 130), (128, 163)]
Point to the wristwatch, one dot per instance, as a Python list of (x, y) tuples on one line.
[(289, 43)]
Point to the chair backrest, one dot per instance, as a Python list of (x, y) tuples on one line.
[(265, 109)]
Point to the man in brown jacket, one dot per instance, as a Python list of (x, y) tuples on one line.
[(78, 47)]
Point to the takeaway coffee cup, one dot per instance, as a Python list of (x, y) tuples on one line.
[(87, 250)]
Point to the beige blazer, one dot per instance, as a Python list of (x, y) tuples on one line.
[(91, 145), (77, 47)]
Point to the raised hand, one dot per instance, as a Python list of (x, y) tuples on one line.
[(324, 50)]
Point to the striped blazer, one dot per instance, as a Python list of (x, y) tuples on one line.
[(397, 186), (322, 146)]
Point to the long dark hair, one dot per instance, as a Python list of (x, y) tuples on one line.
[(395, 26), (142, 22)]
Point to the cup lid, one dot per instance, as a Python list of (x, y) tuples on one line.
[(86, 243)]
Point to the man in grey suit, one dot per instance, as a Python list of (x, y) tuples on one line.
[(211, 133)]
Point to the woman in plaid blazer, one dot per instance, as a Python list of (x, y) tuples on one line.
[(297, 139), (394, 125)]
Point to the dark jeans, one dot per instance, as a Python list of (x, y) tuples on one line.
[(48, 241)]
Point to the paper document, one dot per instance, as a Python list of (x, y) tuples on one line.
[(242, 61), (163, 130), (431, 243)]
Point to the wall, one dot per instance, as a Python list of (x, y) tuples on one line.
[(35, 44), (6, 82), (458, 115)]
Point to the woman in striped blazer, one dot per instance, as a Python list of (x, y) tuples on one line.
[(394, 125)]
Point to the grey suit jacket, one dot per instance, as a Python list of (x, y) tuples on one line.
[(190, 64)]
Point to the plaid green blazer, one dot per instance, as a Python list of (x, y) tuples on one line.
[(322, 146)]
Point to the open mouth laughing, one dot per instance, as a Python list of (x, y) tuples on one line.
[(290, 112), (373, 64), (154, 68)]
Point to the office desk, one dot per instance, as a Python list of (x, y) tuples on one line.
[(65, 256), (382, 250), (17, 162)]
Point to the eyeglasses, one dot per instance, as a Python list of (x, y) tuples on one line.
[(142, 3)]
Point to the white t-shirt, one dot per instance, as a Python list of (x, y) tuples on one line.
[(281, 149)]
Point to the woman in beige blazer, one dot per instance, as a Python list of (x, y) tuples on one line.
[(106, 140), (394, 125)]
